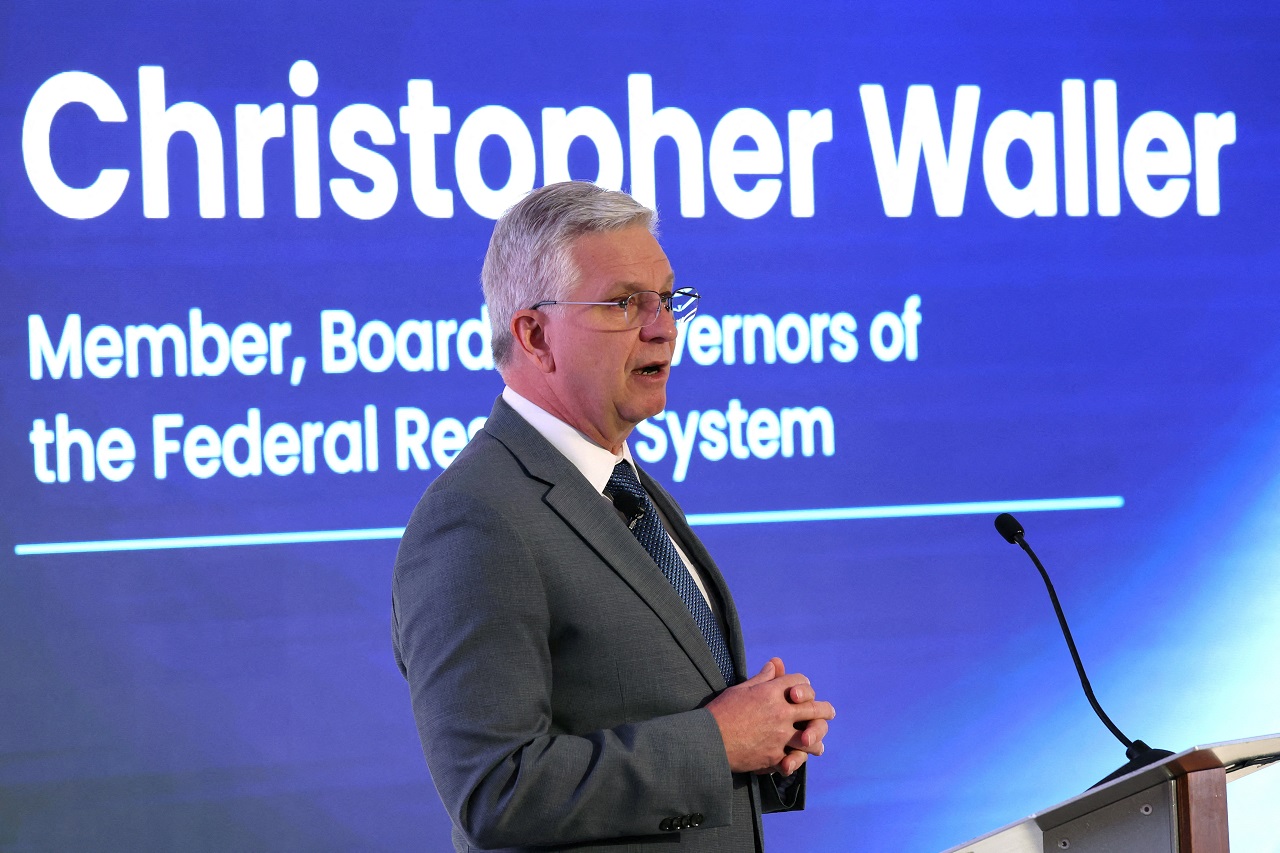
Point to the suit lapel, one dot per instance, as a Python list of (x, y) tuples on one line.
[(594, 519)]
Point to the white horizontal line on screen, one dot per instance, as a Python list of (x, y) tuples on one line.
[(854, 513), (704, 519)]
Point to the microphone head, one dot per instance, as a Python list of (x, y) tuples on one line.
[(1008, 527), (629, 505)]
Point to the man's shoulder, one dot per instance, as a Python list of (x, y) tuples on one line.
[(485, 465), (484, 490)]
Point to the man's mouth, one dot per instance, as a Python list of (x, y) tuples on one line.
[(650, 369)]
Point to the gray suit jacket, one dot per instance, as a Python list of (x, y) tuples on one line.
[(558, 681)]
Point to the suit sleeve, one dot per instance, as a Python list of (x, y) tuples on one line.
[(471, 629)]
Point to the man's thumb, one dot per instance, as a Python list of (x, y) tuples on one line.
[(767, 673)]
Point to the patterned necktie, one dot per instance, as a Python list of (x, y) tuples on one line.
[(646, 526)]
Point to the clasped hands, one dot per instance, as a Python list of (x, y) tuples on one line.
[(772, 722)]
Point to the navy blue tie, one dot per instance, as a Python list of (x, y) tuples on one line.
[(646, 526)]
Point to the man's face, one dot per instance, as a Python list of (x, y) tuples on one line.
[(608, 378)]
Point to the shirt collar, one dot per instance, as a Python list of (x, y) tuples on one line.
[(593, 461)]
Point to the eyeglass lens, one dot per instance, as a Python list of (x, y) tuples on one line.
[(643, 307)]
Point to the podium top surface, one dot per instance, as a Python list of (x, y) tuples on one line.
[(1238, 757)]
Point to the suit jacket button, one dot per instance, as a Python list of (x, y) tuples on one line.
[(696, 819), (667, 825)]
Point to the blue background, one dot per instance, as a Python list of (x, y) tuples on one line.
[(246, 698)]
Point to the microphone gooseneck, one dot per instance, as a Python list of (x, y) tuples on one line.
[(1138, 753)]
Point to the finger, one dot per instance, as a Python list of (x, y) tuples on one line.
[(779, 668), (801, 715), (809, 736), (809, 739), (767, 673), (801, 693), (792, 762), (787, 682), (813, 711)]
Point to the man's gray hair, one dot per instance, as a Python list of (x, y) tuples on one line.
[(529, 254)]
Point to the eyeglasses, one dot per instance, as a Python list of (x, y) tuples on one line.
[(643, 307)]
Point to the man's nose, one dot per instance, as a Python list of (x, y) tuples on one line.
[(662, 329)]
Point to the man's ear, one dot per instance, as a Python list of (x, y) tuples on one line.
[(531, 339)]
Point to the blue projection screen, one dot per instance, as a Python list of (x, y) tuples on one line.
[(956, 259)]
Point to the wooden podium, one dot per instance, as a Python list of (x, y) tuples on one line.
[(1178, 805)]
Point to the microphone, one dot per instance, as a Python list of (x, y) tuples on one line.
[(1138, 753), (629, 505)]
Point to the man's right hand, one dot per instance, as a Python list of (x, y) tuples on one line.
[(771, 722)]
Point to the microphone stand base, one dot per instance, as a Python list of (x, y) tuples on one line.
[(1140, 755)]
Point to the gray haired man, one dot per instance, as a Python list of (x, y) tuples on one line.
[(574, 658)]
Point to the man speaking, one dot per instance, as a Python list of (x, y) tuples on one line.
[(574, 657)]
